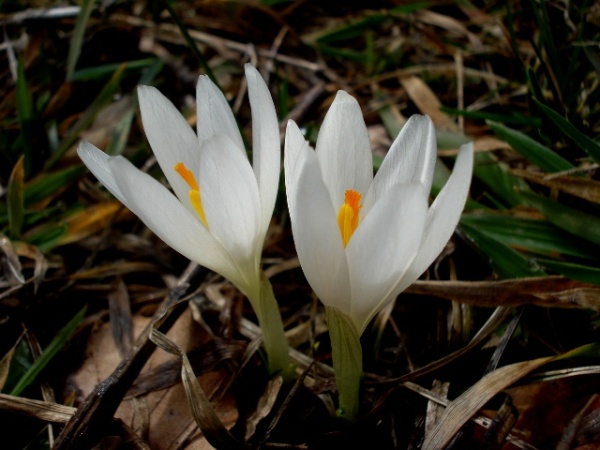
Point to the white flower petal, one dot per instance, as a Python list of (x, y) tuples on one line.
[(317, 235), (344, 150), (97, 161), (266, 147), (443, 216), (230, 198), (160, 210), (383, 247), (296, 148), (214, 115), (411, 159), (171, 138)]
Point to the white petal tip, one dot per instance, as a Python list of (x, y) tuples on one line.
[(344, 97)]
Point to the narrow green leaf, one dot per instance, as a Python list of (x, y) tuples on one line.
[(591, 147), (571, 220), (535, 236), (534, 84), (15, 199), (580, 272), (505, 261), (24, 102), (47, 184), (502, 183), (25, 114), (94, 73), (353, 30), (48, 353), (191, 43), (78, 33), (410, 7), (47, 236), (532, 150)]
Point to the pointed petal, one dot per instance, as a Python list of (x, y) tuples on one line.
[(214, 114), (317, 236), (97, 161), (230, 198), (160, 210), (411, 158), (443, 216), (383, 247), (344, 149), (265, 142), (296, 148), (171, 138)]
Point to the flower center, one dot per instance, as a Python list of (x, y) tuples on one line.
[(348, 215), (195, 199)]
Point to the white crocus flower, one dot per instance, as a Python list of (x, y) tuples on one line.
[(361, 240), (220, 211)]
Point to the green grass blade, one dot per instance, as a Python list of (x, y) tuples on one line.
[(99, 72), (591, 147), (25, 114), (353, 30), (78, 33), (580, 272), (505, 261), (48, 353), (532, 150), (534, 236), (571, 220), (45, 185), (500, 182), (191, 43)]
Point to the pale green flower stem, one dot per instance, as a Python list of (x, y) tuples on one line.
[(269, 320), (347, 361)]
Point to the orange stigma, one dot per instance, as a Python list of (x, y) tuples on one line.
[(194, 193), (348, 215)]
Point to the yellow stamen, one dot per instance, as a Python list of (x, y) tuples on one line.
[(194, 194), (348, 215), (187, 175), (197, 204)]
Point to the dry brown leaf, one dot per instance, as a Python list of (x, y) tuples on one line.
[(161, 417), (460, 410), (265, 405), (553, 291), (484, 144), (107, 121), (427, 102), (40, 262), (48, 412), (585, 188), (92, 220), (546, 409), (120, 317), (203, 411), (5, 365), (118, 268), (12, 265)]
